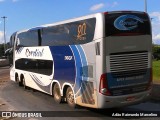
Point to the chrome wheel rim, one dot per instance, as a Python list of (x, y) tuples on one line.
[(57, 92), (70, 97)]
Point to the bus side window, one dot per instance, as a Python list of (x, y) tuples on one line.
[(17, 42), (27, 39), (45, 67)]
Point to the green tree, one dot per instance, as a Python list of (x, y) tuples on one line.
[(156, 52), (156, 49), (1, 50)]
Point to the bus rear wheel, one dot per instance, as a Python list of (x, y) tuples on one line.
[(70, 97), (18, 81), (57, 93), (24, 83)]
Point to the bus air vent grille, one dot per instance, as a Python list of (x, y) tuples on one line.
[(128, 64)]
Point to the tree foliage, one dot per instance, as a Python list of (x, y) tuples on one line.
[(156, 49), (156, 52), (1, 50)]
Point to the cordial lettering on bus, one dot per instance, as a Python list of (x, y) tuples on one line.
[(36, 53), (82, 31), (127, 22)]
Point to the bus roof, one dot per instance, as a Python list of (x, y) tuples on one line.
[(79, 18)]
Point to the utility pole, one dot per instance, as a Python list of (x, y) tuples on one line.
[(145, 6), (4, 18)]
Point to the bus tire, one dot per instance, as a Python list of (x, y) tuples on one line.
[(24, 83), (70, 97), (18, 81), (16, 78), (57, 93)]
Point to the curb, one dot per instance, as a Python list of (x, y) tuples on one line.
[(155, 95), (5, 106), (6, 118)]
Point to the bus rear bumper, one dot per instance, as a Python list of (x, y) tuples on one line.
[(121, 101)]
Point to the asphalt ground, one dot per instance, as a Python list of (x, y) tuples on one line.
[(5, 80), (156, 92)]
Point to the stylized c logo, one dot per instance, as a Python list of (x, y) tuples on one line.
[(127, 22), (27, 52)]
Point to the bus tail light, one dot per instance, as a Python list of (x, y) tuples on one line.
[(105, 13), (103, 87)]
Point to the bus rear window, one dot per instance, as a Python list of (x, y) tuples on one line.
[(127, 24)]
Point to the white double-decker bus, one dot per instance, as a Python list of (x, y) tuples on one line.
[(101, 60)]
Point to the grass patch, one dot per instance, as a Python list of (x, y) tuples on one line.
[(156, 71)]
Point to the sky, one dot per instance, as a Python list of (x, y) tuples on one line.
[(25, 14)]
